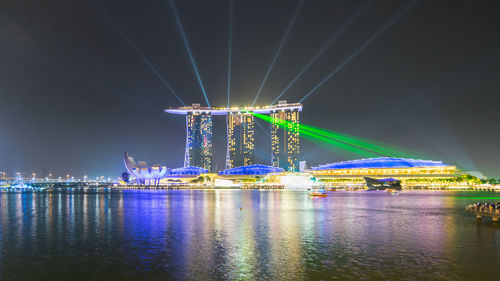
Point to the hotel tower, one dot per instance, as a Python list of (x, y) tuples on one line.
[(240, 123), (240, 140), (285, 140), (199, 151)]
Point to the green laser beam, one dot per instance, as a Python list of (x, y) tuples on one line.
[(307, 128), (353, 144), (333, 149), (381, 146), (339, 144), (314, 136), (478, 198)]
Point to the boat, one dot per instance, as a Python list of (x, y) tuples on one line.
[(392, 191), (319, 193)]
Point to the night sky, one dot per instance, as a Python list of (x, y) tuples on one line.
[(75, 95)]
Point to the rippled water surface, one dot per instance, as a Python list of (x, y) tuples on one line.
[(276, 235)]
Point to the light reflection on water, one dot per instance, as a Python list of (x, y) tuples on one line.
[(276, 235)]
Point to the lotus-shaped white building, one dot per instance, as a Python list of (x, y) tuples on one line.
[(143, 173)]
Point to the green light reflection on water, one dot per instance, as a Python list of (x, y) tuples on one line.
[(470, 198)]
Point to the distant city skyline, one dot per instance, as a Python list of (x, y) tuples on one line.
[(83, 82)]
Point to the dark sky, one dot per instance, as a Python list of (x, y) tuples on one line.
[(74, 95)]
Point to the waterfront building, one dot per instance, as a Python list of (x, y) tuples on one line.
[(199, 151), (411, 172), (285, 140), (251, 170), (240, 140), (143, 173), (187, 172), (292, 180), (240, 149), (187, 175), (249, 176)]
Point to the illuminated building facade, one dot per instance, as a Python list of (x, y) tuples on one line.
[(144, 173), (240, 140), (187, 172), (285, 142), (251, 170), (241, 135), (408, 171), (199, 151)]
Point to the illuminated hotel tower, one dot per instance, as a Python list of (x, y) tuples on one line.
[(241, 134), (240, 139), (199, 152), (285, 144)]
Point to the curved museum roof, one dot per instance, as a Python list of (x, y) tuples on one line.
[(256, 169), (141, 170), (381, 162)]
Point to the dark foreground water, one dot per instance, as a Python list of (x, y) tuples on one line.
[(277, 235)]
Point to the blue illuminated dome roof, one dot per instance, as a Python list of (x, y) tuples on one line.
[(255, 169), (381, 162), (184, 171)]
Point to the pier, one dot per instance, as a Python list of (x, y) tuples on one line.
[(482, 210)]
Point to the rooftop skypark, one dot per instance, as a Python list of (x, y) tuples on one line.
[(196, 108)]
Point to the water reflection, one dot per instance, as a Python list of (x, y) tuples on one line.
[(244, 235)]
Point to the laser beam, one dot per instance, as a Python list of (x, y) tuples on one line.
[(353, 144), (230, 50), (323, 49), (338, 144), (266, 131), (188, 49), (408, 7), (285, 36), (137, 50), (315, 137)]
